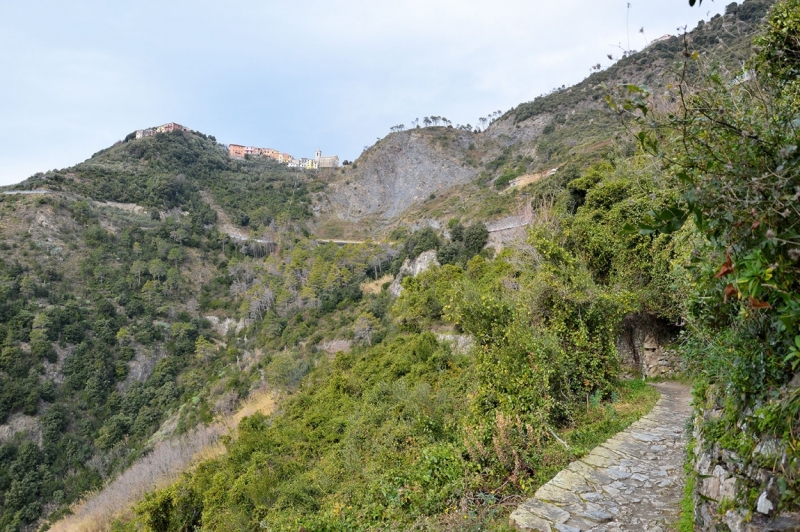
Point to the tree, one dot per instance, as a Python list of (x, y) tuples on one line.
[(457, 232), (449, 253), (173, 282), (138, 268), (176, 255), (426, 121), (27, 287), (475, 238), (260, 301), (363, 328), (421, 241), (156, 268), (179, 235), (41, 327), (152, 292), (204, 350)]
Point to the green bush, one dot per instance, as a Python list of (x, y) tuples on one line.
[(731, 153)]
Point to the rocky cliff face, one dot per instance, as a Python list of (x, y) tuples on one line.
[(409, 166), (398, 171), (411, 269)]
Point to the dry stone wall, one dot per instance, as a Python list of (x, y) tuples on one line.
[(736, 494), (644, 346)]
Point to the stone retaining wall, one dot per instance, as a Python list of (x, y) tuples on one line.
[(644, 346), (727, 484)]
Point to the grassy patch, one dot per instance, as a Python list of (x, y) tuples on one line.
[(686, 524), (634, 399), (599, 422)]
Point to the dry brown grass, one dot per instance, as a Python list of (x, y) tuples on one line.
[(162, 466), (525, 180), (374, 287)]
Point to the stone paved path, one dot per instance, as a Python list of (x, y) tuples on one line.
[(632, 482)]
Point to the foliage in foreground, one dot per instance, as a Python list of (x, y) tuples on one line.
[(410, 431), (731, 150), (376, 440)]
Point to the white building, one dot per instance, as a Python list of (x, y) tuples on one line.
[(330, 161)]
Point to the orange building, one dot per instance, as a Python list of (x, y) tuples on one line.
[(235, 150)]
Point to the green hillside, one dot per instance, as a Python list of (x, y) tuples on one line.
[(696, 226), (168, 171), (106, 307), (160, 283)]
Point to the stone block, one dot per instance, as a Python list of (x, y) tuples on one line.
[(549, 512), (521, 519), (551, 493), (571, 481)]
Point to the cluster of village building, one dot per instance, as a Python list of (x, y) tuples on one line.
[(237, 150), (330, 161), (166, 128)]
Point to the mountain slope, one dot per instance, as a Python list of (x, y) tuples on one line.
[(400, 170), (106, 316), (570, 123)]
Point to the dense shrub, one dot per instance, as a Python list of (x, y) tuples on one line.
[(731, 153)]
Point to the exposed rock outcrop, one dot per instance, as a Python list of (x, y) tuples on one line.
[(400, 170), (413, 268)]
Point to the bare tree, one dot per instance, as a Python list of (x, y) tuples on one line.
[(262, 300)]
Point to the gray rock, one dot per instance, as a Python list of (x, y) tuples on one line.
[(413, 268), (567, 528), (545, 510), (522, 519), (764, 505), (402, 169)]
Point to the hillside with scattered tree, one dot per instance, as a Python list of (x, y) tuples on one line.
[(161, 283)]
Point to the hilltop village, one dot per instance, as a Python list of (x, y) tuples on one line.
[(239, 151), (331, 161)]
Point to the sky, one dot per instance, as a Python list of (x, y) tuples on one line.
[(291, 75)]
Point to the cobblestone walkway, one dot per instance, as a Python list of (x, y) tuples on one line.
[(632, 482)]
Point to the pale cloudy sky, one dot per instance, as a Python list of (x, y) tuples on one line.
[(291, 75)]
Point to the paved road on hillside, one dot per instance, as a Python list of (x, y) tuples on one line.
[(632, 482)]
